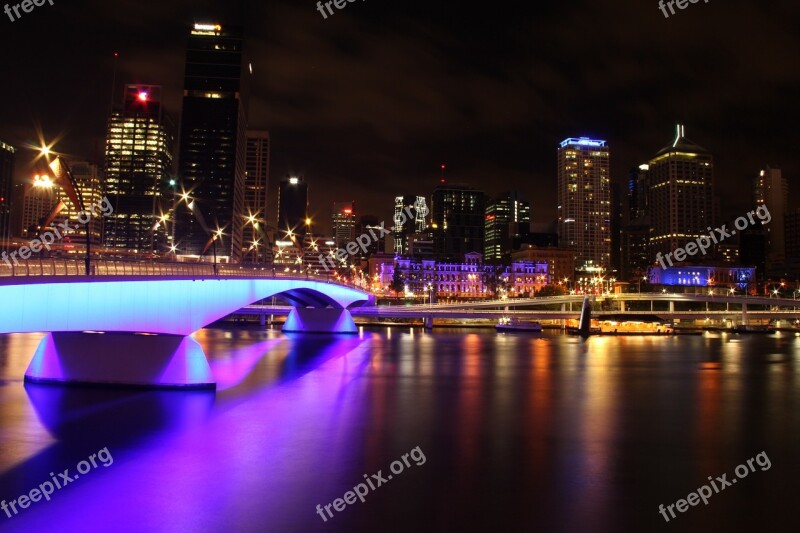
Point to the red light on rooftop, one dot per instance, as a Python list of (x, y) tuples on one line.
[(143, 96), (348, 211), (443, 166)]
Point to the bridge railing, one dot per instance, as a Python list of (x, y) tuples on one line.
[(46, 267)]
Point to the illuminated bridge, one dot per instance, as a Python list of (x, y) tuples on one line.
[(130, 323)]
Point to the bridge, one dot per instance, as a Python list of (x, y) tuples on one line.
[(130, 323), (718, 307)]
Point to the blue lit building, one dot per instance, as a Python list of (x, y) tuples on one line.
[(740, 278)]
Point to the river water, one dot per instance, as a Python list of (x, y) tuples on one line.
[(511, 432)]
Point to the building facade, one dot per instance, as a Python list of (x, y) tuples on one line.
[(6, 178), (770, 188), (344, 223), (255, 243), (507, 223), (137, 173), (410, 214), (292, 207), (457, 220), (682, 204), (213, 142), (584, 202)]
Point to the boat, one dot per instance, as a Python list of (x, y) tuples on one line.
[(513, 324)]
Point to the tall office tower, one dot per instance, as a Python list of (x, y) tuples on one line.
[(372, 222), (38, 200), (792, 232), (458, 214), (89, 189), (292, 207), (681, 177), (138, 164), (617, 209), (772, 189), (638, 191), (344, 223), (584, 202), (213, 145), (6, 177), (507, 221), (410, 214), (256, 184)]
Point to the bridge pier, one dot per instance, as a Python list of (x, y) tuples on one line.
[(149, 361), (428, 324), (744, 313), (262, 321), (319, 320)]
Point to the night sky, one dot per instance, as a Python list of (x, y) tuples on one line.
[(368, 102)]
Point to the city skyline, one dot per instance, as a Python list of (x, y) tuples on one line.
[(497, 138)]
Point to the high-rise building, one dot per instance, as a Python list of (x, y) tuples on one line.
[(38, 200), (344, 223), (458, 214), (292, 207), (6, 177), (89, 189), (256, 185), (770, 188), (508, 219), (681, 179), (584, 202), (138, 165), (410, 214), (212, 144), (792, 232)]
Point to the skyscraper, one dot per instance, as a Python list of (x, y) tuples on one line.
[(772, 189), (508, 218), (681, 178), (212, 145), (457, 220), (138, 164), (409, 218), (344, 223), (292, 207), (6, 176), (256, 185), (584, 202)]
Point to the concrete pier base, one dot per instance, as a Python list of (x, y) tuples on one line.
[(127, 359), (319, 320)]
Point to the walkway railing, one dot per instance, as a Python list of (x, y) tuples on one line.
[(44, 267)]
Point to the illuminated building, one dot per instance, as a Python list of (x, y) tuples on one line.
[(409, 218), (792, 232), (772, 189), (560, 261), (256, 184), (681, 184), (457, 220), (38, 200), (138, 163), (344, 223), (722, 277), (213, 142), (87, 178), (468, 278), (292, 207), (584, 202), (6, 178), (507, 220)]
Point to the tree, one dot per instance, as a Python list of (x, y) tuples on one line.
[(398, 283), (552, 290)]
